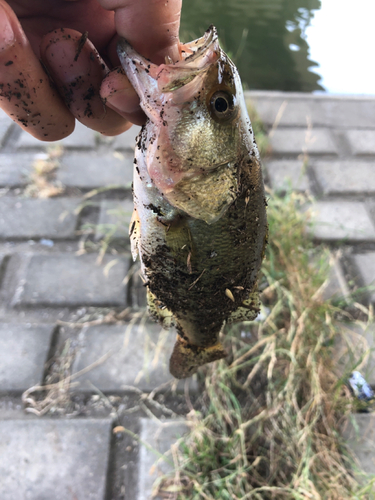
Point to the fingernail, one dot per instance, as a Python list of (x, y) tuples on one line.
[(6, 30), (124, 100)]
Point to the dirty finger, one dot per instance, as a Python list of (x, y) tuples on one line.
[(78, 70), (26, 94)]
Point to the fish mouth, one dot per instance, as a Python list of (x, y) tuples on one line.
[(190, 53), (150, 80)]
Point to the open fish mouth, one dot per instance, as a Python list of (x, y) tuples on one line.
[(196, 57), (190, 53)]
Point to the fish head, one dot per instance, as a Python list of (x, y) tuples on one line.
[(199, 123)]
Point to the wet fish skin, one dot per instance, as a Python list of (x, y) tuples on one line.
[(199, 223)]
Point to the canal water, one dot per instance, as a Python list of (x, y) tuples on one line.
[(292, 45)]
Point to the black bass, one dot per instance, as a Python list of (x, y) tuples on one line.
[(199, 223)]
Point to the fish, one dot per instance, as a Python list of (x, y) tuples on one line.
[(199, 224)]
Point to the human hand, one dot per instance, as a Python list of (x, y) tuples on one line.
[(79, 68)]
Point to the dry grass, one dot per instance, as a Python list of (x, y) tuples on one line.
[(43, 182), (271, 414)]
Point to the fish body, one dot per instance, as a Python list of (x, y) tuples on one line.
[(199, 223)]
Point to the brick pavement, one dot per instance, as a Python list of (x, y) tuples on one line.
[(66, 307)]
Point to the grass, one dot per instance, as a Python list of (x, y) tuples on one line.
[(270, 417)]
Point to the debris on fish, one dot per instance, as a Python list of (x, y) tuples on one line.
[(360, 387), (199, 223)]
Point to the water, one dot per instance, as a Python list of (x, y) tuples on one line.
[(292, 45)]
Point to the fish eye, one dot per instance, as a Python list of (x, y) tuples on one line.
[(222, 106)]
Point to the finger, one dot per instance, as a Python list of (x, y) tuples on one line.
[(26, 94), (78, 70), (119, 95), (151, 27)]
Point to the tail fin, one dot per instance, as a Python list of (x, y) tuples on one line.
[(186, 359)]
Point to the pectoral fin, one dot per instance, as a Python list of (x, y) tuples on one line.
[(248, 311), (186, 359), (159, 312)]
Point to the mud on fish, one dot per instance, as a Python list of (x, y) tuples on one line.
[(199, 223)]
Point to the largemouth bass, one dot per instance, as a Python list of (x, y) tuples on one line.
[(199, 223)]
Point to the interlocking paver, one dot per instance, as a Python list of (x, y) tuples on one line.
[(365, 264), (343, 112), (360, 437), (63, 279), (138, 355), (54, 459), (23, 354), (15, 169), (295, 141), (160, 436), (362, 142), (81, 138), (5, 124), (345, 177), (114, 219), (328, 110), (2, 264), (38, 218), (126, 141), (289, 109), (341, 221), (95, 170), (138, 288), (286, 175)]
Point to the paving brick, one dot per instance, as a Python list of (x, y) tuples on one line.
[(93, 170), (332, 111), (23, 354), (3, 258), (349, 113), (68, 280), (341, 221), (294, 141), (362, 142), (5, 124), (38, 218), (81, 138), (370, 205), (138, 356), (355, 350), (126, 141), (138, 289), (360, 437), (335, 287), (160, 436), (345, 177), (286, 175), (59, 459), (365, 264), (290, 111), (15, 169), (114, 219)]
